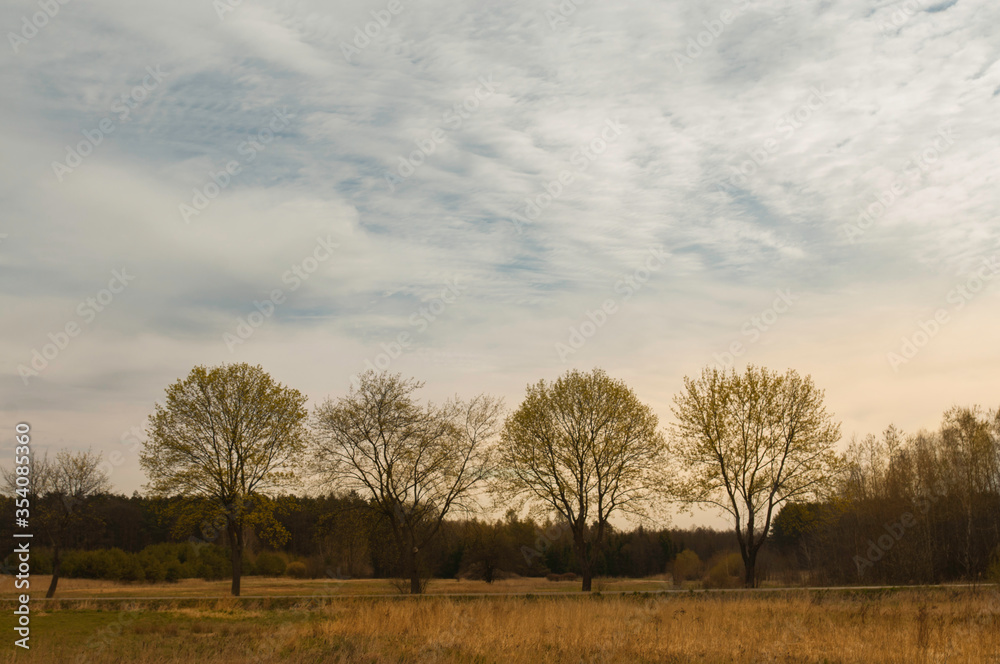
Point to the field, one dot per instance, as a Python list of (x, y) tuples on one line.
[(836, 626)]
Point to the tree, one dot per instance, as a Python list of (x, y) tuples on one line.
[(583, 447), (747, 443), (970, 456), (229, 437), (59, 494), (416, 463)]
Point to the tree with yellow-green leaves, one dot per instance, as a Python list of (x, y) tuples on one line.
[(583, 447), (747, 443), (230, 438)]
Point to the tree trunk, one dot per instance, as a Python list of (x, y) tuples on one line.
[(236, 555), (583, 553), (56, 564), (415, 588), (750, 563)]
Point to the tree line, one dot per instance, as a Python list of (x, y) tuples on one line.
[(406, 482), (918, 508)]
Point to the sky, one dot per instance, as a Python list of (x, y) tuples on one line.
[(482, 195)]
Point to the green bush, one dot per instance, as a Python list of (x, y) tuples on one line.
[(725, 571), (173, 572), (270, 564), (41, 562), (132, 569), (687, 566), (154, 570), (160, 562), (993, 573), (297, 569), (214, 563)]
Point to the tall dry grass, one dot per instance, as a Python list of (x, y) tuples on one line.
[(911, 627)]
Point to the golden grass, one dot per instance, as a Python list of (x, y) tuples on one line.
[(911, 627), (281, 586)]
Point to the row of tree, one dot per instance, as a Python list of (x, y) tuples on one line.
[(578, 452)]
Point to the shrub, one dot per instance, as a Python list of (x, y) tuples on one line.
[(993, 573), (296, 569), (270, 564), (131, 569), (41, 562), (687, 566), (213, 563), (174, 572), (154, 570), (725, 571)]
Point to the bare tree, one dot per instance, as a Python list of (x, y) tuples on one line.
[(416, 463), (583, 447), (969, 455), (229, 437), (59, 492), (747, 443)]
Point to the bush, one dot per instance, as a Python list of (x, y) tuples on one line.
[(687, 566), (270, 564), (131, 569), (160, 562), (725, 571), (993, 573), (154, 570), (174, 572), (41, 562), (213, 563), (297, 570)]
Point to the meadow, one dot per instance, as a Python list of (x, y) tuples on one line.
[(622, 624)]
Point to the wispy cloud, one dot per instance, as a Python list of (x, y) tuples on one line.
[(887, 79)]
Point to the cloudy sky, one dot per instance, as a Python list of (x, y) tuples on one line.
[(517, 188)]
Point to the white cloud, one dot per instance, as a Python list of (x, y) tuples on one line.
[(886, 93)]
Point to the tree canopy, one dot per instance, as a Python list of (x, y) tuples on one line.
[(747, 443), (230, 436)]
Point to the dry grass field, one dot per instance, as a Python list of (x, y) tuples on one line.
[(283, 586), (864, 627)]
